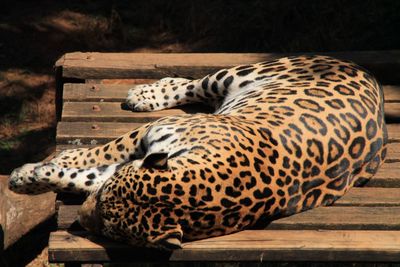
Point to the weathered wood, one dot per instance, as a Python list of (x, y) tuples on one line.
[(384, 64), (21, 213), (394, 132), (95, 133), (118, 92), (67, 216), (99, 92), (342, 218), (392, 112), (248, 246), (107, 111), (392, 93)]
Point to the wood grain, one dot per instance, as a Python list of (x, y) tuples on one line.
[(108, 111), (246, 246), (92, 132), (383, 64)]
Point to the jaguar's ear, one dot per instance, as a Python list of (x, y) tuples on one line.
[(157, 160)]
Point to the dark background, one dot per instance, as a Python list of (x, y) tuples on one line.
[(34, 34)]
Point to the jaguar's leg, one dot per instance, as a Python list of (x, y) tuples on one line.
[(210, 90), (39, 178), (27, 179)]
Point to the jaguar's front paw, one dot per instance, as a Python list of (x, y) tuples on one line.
[(24, 180), (141, 99)]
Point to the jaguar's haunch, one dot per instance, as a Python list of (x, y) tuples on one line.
[(286, 136)]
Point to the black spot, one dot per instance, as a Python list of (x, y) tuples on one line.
[(243, 84), (228, 81), (258, 194), (245, 72), (317, 92), (371, 129), (357, 147), (227, 203), (370, 105), (358, 107), (313, 196), (106, 148), (335, 103), (91, 176), (352, 121), (204, 83), (61, 174), (246, 202), (335, 150), (308, 185), (373, 149), (313, 124), (73, 175), (318, 154), (229, 191), (120, 147), (89, 183), (339, 183), (221, 74), (338, 169), (107, 156), (309, 105)]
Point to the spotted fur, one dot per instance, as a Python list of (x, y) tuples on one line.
[(286, 136)]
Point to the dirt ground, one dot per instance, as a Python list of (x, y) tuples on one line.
[(34, 34)]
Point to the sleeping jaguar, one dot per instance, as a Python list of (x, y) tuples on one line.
[(286, 136)]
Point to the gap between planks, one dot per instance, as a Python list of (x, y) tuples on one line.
[(249, 245)]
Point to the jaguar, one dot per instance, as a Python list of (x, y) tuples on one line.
[(286, 135)]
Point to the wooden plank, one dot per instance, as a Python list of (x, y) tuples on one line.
[(95, 133), (99, 92), (250, 246), (384, 64), (392, 112), (392, 93), (108, 111), (394, 132), (342, 218), (118, 92)]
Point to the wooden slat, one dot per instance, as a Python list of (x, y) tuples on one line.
[(384, 64), (392, 93), (92, 132), (394, 132), (343, 218), (99, 92), (118, 92), (108, 111), (250, 245)]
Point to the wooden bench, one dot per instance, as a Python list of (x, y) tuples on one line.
[(362, 226)]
